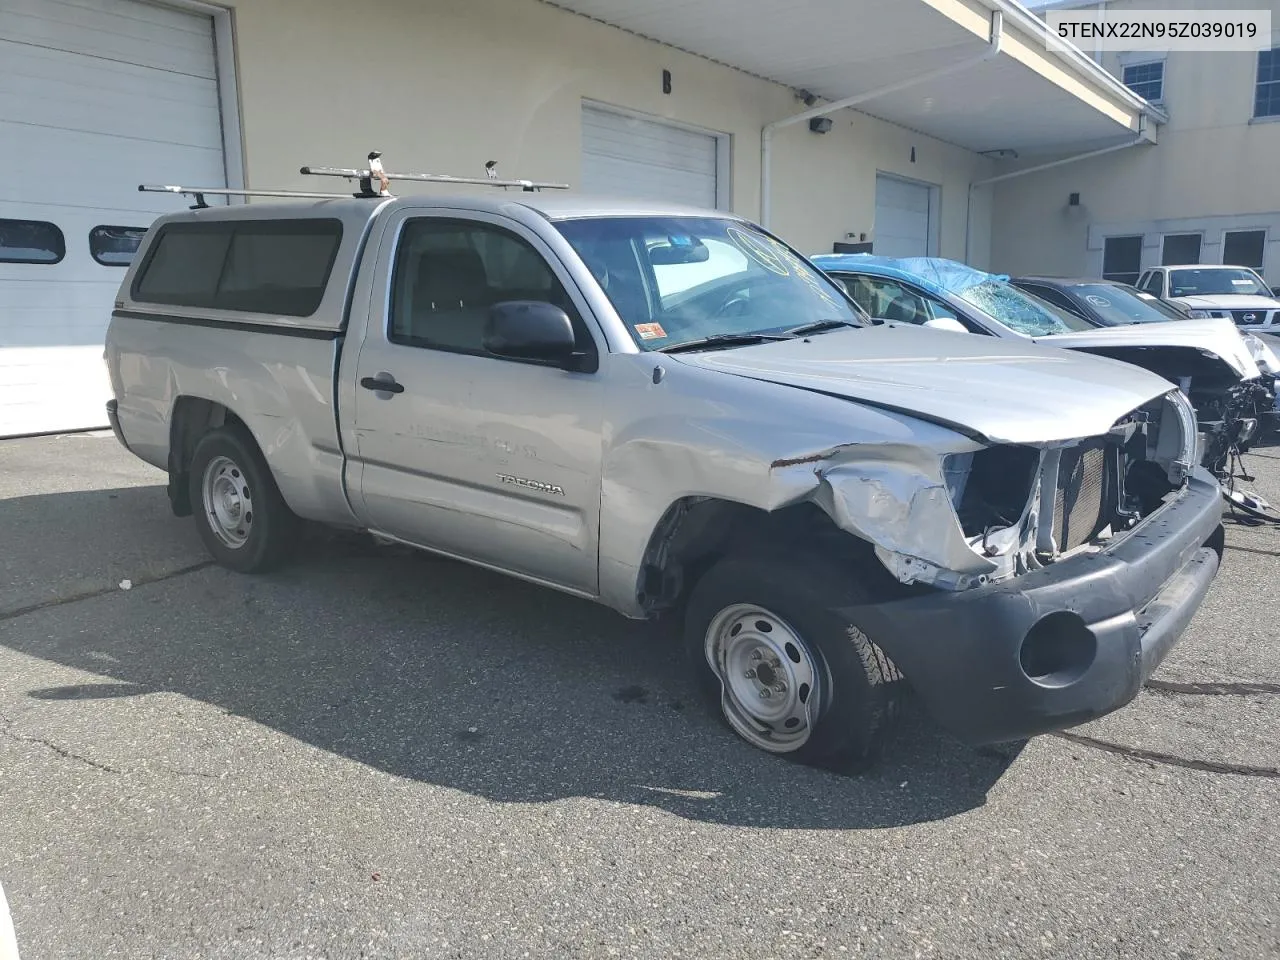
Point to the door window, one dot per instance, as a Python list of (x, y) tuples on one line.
[(448, 274), (887, 299), (1154, 284)]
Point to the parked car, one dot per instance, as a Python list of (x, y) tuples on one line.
[(1104, 303), (533, 384), (1210, 290), (1208, 359), (1107, 303)]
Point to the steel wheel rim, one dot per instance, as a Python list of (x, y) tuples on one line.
[(228, 502), (753, 650)]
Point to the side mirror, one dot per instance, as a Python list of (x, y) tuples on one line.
[(947, 323), (530, 330)]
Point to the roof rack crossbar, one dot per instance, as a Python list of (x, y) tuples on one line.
[(365, 177), (199, 193)]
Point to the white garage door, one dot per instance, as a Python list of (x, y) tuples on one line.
[(902, 218), (625, 156), (96, 96)]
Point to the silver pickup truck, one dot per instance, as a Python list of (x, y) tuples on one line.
[(665, 409)]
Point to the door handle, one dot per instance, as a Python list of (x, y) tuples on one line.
[(383, 383)]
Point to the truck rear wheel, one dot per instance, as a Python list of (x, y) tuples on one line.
[(789, 674), (242, 519)]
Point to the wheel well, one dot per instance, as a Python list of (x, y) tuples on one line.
[(192, 418), (695, 532)]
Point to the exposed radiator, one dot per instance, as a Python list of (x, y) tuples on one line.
[(1082, 509)]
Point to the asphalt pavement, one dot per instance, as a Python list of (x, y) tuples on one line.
[(380, 754)]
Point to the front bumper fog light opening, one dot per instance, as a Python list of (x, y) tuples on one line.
[(1058, 650)]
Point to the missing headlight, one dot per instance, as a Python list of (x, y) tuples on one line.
[(993, 491)]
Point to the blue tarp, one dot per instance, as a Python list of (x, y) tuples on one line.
[(936, 275)]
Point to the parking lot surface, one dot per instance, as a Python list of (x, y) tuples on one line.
[(377, 754)]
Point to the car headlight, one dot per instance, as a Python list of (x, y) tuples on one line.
[(1178, 438)]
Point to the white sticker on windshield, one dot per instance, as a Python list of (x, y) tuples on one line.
[(1098, 301), (1241, 283)]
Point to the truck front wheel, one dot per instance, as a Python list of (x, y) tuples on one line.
[(790, 675), (242, 519)]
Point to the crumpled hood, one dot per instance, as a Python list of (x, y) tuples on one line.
[(1004, 391), (1230, 301), (1218, 336)]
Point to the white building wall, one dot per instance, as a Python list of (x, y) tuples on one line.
[(1214, 169), (446, 85)]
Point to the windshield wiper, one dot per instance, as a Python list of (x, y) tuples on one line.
[(820, 326), (723, 340)]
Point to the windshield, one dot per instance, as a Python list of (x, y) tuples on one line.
[(678, 279), (1118, 306), (1201, 283), (1020, 311)]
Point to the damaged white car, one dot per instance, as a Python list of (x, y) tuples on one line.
[(1229, 378), (665, 409)]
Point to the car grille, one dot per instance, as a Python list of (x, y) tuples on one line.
[(1249, 317), (1081, 509)]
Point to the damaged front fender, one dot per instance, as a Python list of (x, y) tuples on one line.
[(905, 511), (897, 499)]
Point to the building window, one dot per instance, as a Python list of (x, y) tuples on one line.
[(1180, 248), (115, 246), (1146, 80), (1266, 101), (31, 241), (1244, 248), (1122, 258)]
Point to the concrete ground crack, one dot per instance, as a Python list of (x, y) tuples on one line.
[(100, 591), (60, 751), (1168, 759), (7, 722), (1237, 689)]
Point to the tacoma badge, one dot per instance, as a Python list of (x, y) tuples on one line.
[(531, 484)]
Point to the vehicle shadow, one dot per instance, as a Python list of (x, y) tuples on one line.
[(439, 672)]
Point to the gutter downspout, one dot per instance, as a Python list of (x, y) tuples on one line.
[(994, 45), (1140, 139)]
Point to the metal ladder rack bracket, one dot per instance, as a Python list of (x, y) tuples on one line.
[(365, 178)]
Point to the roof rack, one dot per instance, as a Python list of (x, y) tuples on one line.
[(375, 172), (365, 177), (198, 193)]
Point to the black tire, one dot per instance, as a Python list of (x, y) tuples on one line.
[(862, 688), (271, 528)]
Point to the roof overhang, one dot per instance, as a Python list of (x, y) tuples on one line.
[(1028, 98)]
